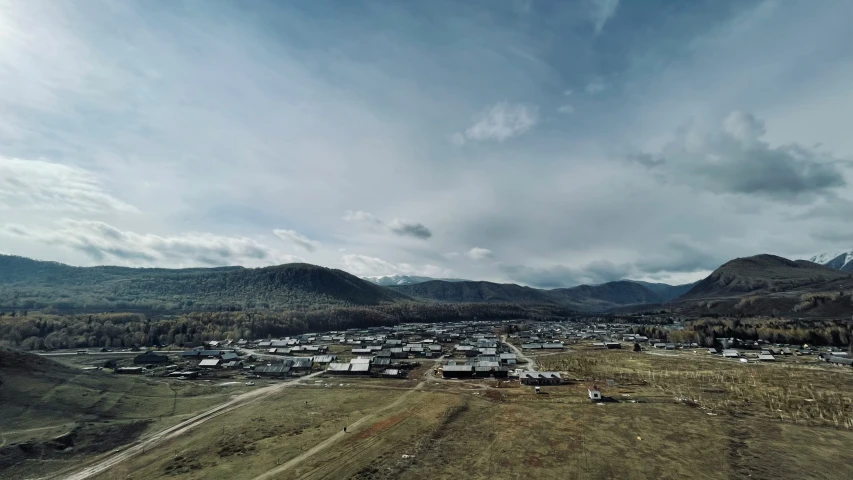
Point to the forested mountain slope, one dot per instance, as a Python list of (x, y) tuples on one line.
[(26, 283)]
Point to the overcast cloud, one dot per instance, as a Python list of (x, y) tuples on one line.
[(545, 143)]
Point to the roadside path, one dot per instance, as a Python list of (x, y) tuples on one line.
[(152, 441), (530, 363), (325, 444)]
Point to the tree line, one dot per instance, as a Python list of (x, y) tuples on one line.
[(47, 331), (707, 331)]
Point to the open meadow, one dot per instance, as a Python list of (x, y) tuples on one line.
[(684, 416)]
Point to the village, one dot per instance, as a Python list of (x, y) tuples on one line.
[(402, 398), (506, 351)]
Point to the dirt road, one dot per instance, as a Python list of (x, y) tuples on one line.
[(153, 440), (531, 365), (350, 428)]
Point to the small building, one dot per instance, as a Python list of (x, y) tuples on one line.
[(338, 368), (540, 378), (594, 394), (508, 358), (381, 362), (766, 357), (150, 357), (457, 371), (273, 370), (729, 353), (612, 345), (323, 359), (483, 371), (836, 360), (209, 363), (359, 368)]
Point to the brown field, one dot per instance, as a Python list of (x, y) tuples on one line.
[(53, 417), (673, 418), (685, 416)]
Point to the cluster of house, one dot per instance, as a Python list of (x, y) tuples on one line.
[(479, 355)]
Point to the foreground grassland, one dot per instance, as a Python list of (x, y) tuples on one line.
[(53, 417), (674, 417)]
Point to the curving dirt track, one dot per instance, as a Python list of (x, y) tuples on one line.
[(179, 429), (350, 428), (530, 363)]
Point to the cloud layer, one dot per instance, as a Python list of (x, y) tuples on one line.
[(42, 185), (501, 122), (735, 159), (106, 244), (398, 227), (444, 129), (297, 239)]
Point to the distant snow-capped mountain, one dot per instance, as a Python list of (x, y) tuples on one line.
[(388, 280), (839, 260)]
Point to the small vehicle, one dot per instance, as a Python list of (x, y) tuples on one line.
[(250, 384)]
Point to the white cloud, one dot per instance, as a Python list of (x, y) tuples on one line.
[(601, 11), (500, 122), (403, 228), (567, 108), (363, 218), (365, 265), (150, 123), (297, 239), (106, 244), (478, 253), (43, 185), (595, 87), (735, 159), (567, 92)]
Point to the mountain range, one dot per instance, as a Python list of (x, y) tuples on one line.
[(582, 298), (839, 260), (32, 284), (26, 283), (389, 280)]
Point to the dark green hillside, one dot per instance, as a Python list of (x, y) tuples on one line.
[(667, 292), (588, 298), (605, 296), (765, 273), (469, 291), (30, 284)]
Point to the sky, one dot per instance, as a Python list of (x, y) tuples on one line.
[(536, 142)]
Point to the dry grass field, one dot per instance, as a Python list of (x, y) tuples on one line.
[(671, 418), (686, 416), (53, 416)]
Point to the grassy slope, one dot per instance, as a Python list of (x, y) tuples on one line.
[(43, 401)]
